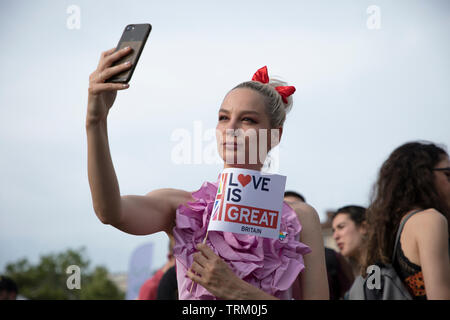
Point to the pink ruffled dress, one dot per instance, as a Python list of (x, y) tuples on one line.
[(271, 265)]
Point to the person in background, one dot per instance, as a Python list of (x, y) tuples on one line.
[(149, 289), (339, 271), (8, 288), (415, 178), (292, 196), (340, 275), (349, 231), (168, 287)]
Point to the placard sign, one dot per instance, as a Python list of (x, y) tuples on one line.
[(248, 202)]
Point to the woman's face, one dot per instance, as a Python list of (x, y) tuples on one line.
[(243, 130), (347, 235), (442, 180)]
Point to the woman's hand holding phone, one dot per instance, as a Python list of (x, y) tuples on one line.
[(101, 95)]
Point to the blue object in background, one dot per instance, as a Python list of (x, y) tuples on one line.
[(139, 269)]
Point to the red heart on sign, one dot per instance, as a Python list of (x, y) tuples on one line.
[(244, 180)]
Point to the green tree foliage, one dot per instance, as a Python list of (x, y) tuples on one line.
[(48, 279)]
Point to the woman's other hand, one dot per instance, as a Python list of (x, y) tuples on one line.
[(214, 274)]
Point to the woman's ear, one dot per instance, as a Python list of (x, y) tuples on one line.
[(363, 228)]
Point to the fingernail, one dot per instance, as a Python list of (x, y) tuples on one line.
[(126, 48), (125, 85)]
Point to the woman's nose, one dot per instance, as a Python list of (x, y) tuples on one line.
[(232, 128), (232, 125), (335, 235)]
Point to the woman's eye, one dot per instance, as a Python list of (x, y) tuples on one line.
[(244, 119)]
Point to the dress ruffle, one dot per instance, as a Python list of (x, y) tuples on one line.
[(269, 264)]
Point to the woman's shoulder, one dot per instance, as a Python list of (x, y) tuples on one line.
[(427, 218), (308, 217), (305, 212), (427, 222)]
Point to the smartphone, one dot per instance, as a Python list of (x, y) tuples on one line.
[(134, 36)]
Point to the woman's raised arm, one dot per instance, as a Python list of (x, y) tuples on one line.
[(141, 215)]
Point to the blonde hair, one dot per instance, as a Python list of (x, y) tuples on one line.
[(275, 107)]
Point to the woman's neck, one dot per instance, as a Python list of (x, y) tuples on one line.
[(355, 264)]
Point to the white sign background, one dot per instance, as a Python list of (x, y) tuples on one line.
[(253, 211)]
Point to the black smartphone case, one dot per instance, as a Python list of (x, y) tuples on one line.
[(134, 36)]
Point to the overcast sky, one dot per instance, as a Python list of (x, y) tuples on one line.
[(361, 92)]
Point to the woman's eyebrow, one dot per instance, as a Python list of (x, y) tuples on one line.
[(242, 112)]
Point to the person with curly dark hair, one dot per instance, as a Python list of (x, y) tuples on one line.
[(415, 178)]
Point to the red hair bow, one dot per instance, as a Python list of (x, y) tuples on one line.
[(262, 76)]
